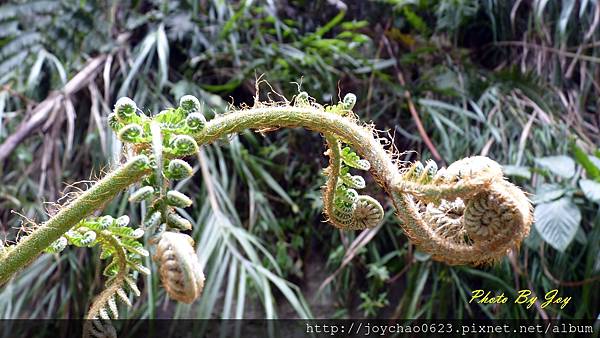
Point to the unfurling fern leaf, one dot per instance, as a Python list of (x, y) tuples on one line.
[(118, 242), (350, 158), (165, 138), (466, 213), (57, 246), (125, 110), (469, 206), (345, 208), (180, 270), (178, 170), (177, 199), (189, 104), (195, 122)]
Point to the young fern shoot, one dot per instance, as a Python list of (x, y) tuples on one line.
[(343, 206), (467, 213)]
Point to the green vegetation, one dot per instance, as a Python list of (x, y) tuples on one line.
[(516, 81)]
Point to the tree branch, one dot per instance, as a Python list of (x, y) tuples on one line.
[(43, 109)]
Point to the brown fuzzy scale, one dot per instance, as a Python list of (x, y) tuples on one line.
[(180, 270), (446, 219), (438, 191)]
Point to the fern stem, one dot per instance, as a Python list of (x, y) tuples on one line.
[(94, 198), (360, 138), (117, 282), (333, 147), (384, 171)]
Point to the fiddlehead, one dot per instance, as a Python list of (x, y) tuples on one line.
[(178, 170), (180, 271), (428, 183), (465, 214), (120, 246), (443, 211), (408, 194), (165, 139), (474, 214), (344, 207)]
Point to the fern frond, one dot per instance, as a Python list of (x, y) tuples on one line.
[(469, 207), (165, 138), (118, 243), (344, 207), (180, 270)]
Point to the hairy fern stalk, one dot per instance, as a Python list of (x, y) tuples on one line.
[(467, 213)]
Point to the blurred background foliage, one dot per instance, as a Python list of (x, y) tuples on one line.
[(518, 81)]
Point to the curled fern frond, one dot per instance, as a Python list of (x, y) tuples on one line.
[(132, 133), (122, 221), (473, 213), (178, 170), (195, 122), (353, 181), (103, 222), (177, 199), (183, 145), (499, 212), (114, 123), (141, 194), (82, 237), (367, 213), (349, 101), (429, 184), (153, 220), (350, 158), (343, 195), (180, 270), (57, 246), (125, 109), (177, 126), (164, 138), (119, 244), (414, 172), (189, 104), (473, 167), (446, 219), (464, 214), (178, 222), (345, 208)]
